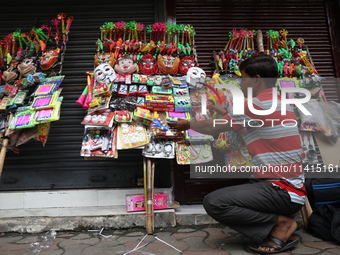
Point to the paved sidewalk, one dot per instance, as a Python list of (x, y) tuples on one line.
[(213, 239)]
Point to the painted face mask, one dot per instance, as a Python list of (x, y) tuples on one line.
[(27, 66), (186, 63), (195, 76), (168, 64), (125, 66), (104, 58), (104, 73), (11, 74), (49, 58), (147, 65)]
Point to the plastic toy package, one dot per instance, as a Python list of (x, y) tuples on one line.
[(159, 148), (187, 154), (99, 142), (103, 117), (131, 135)]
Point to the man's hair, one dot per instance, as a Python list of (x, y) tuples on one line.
[(264, 66)]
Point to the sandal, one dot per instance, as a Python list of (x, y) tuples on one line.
[(280, 246)]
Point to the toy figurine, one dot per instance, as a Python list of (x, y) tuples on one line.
[(147, 65), (104, 73), (49, 58), (186, 63), (195, 77), (11, 74), (168, 64), (104, 58), (27, 66), (125, 65)]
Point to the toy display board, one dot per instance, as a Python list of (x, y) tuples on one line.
[(139, 83), (31, 65)]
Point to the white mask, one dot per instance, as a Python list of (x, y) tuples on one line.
[(195, 76), (104, 73)]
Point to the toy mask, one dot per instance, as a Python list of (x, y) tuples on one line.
[(10, 74), (167, 64), (104, 73), (27, 66), (104, 58), (125, 65), (147, 65), (195, 76), (48, 58), (186, 63)]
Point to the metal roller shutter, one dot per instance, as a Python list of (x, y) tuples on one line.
[(314, 20), (59, 164), (213, 20)]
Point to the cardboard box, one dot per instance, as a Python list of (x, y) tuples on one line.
[(135, 202)]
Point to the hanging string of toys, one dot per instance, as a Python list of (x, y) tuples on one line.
[(30, 85)]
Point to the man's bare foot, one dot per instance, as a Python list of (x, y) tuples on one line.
[(283, 229)]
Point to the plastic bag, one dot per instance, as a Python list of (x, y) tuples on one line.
[(329, 124), (309, 122)]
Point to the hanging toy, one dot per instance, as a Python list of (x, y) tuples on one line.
[(167, 64), (102, 58), (186, 63), (49, 58), (195, 77), (27, 66), (259, 41), (125, 65), (147, 65), (104, 73), (11, 74)]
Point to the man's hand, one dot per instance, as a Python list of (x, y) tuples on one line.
[(218, 109), (181, 124)]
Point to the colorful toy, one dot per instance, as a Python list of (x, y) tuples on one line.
[(125, 65), (161, 90), (44, 102), (159, 102), (143, 116), (182, 104), (186, 63), (48, 86), (174, 116), (23, 118), (48, 115), (104, 73), (136, 202), (195, 77), (104, 58), (123, 116), (103, 117), (27, 66), (167, 64), (132, 135), (147, 65), (49, 58)]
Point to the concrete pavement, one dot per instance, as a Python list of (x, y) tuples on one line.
[(212, 239), (184, 230)]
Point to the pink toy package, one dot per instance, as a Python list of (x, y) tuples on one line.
[(136, 202)]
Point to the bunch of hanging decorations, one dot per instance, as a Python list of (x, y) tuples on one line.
[(292, 56), (29, 84)]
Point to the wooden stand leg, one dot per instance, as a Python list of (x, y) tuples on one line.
[(148, 194), (4, 145), (306, 211)]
